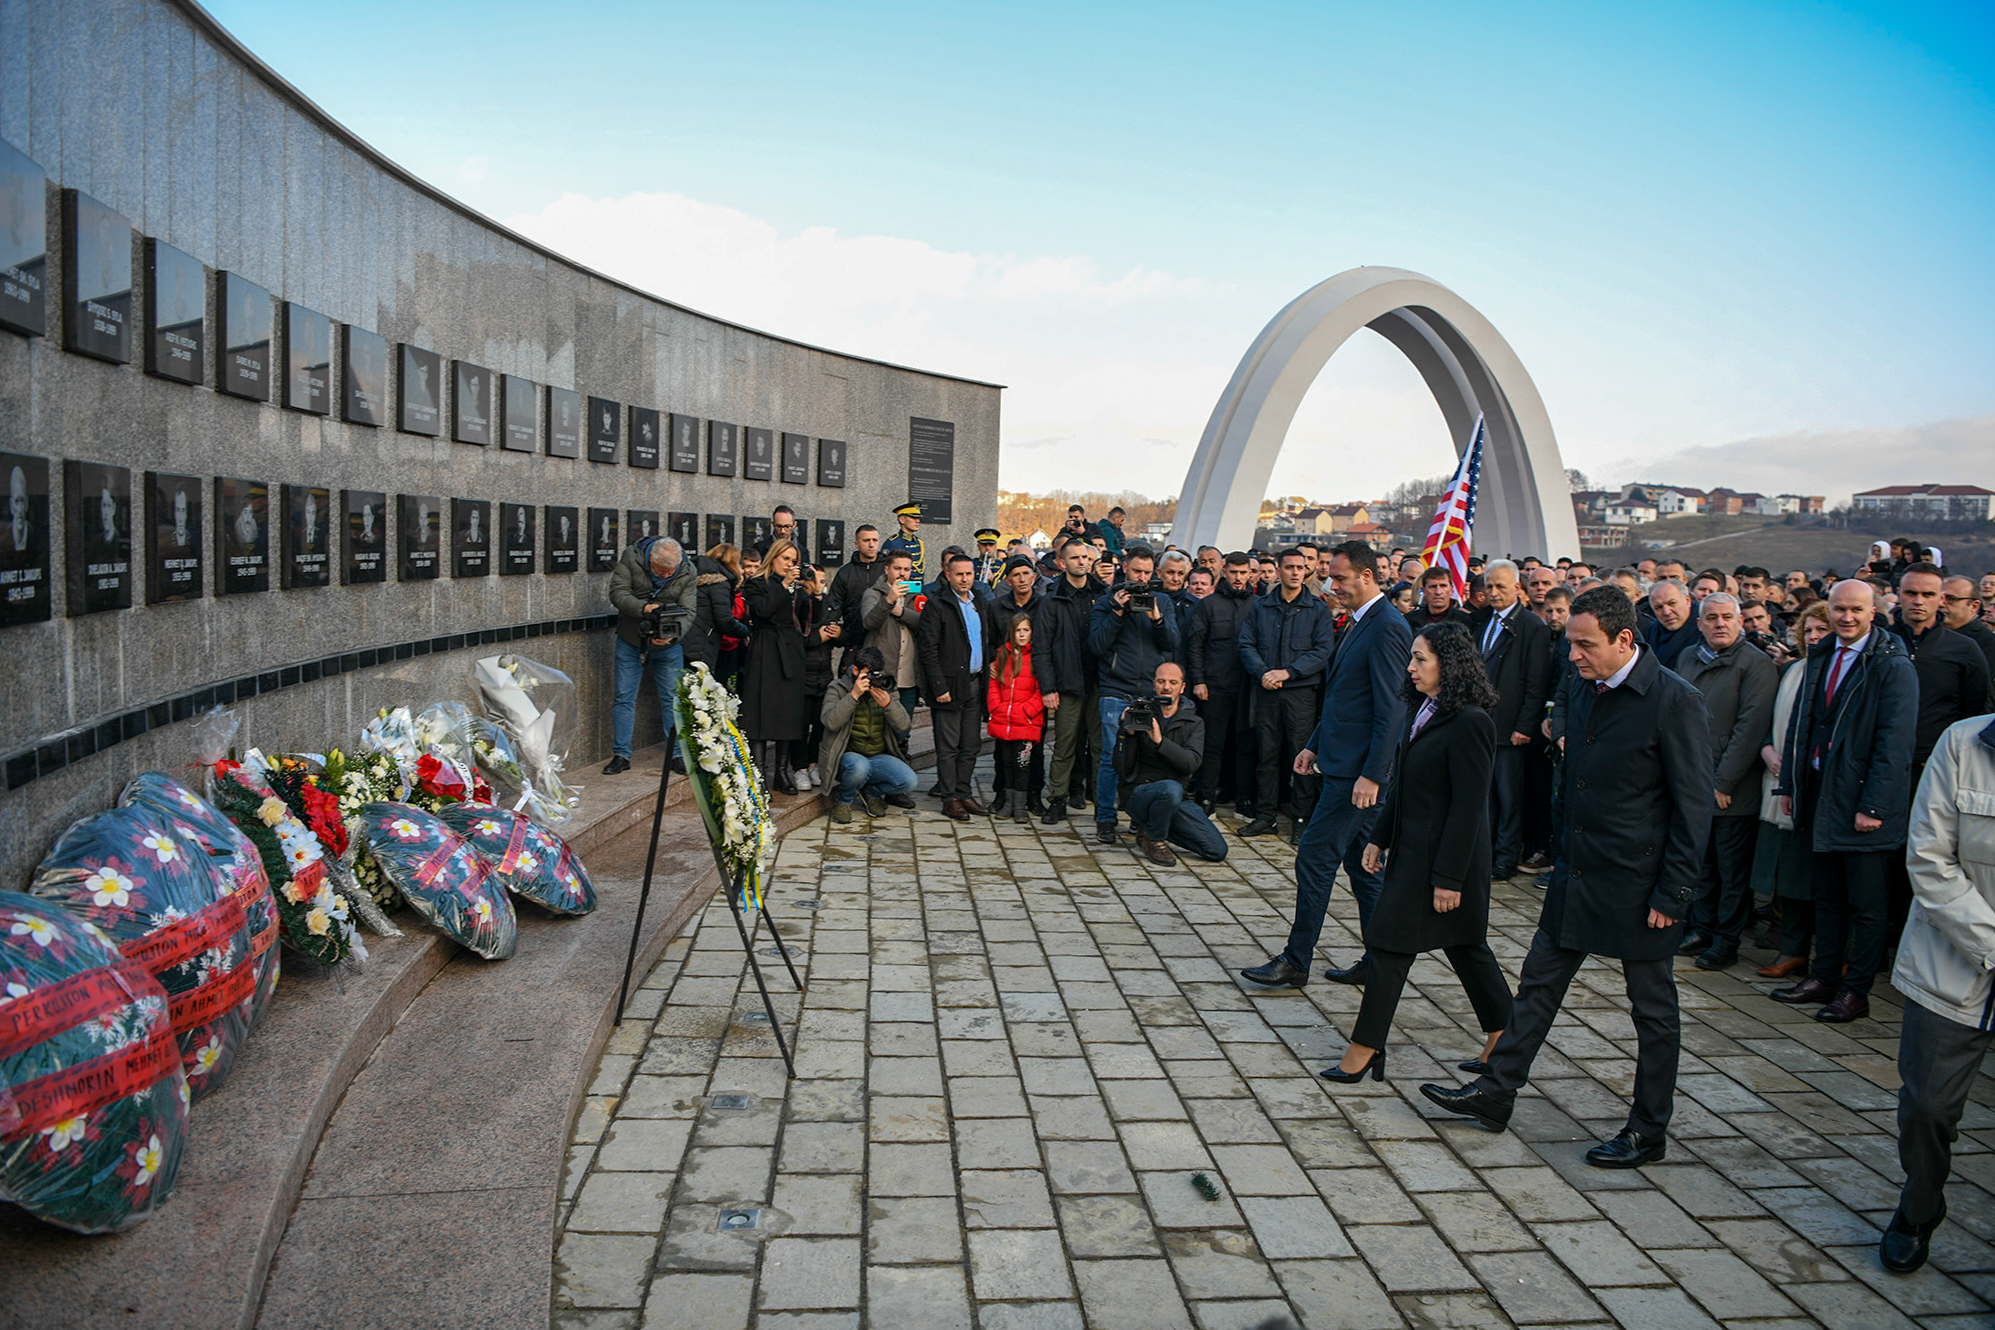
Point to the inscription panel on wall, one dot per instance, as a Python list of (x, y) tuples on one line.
[(758, 454), (830, 542), (471, 402), (470, 537), (796, 459), (365, 356), (723, 448), (684, 528), (307, 360), (563, 539), (242, 536), (421, 383), (831, 463), (307, 544), (603, 429), (516, 554), (603, 547), (520, 413), (245, 329), (23, 246), (24, 541), (644, 437), (564, 422), (366, 541), (97, 285), (720, 529), (176, 299), (98, 523), (173, 538), (685, 453), (931, 468), (420, 520)]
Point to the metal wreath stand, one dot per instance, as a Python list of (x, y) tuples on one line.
[(737, 882)]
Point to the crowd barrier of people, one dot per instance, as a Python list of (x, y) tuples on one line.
[(1675, 757)]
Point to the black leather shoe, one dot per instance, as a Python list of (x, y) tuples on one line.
[(1104, 834), (1489, 1110), (1847, 1007), (1904, 1246), (1277, 973), (1260, 826), (617, 765), (1055, 814), (1695, 942), (1502, 874), (1374, 1069), (1355, 976), (1474, 1066), (1718, 956), (1628, 1150), (1804, 994), (901, 800)]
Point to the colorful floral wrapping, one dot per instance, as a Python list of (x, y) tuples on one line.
[(135, 874), (93, 1103), (312, 919), (527, 859), (203, 824), (442, 876)]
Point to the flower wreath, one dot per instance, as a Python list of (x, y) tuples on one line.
[(316, 922), (730, 796)]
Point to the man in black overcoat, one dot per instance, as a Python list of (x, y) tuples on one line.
[(1513, 642), (954, 642), (1637, 781)]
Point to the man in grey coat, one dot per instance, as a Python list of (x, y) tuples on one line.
[(652, 577), (1738, 682)]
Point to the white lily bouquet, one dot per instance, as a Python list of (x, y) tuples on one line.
[(725, 786)]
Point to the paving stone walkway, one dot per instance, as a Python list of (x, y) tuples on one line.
[(1017, 1048)]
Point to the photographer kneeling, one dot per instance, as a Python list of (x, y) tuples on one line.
[(654, 589), (862, 753), (1159, 745)]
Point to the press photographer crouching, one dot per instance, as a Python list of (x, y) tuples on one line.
[(1159, 744), (862, 752), (653, 589)]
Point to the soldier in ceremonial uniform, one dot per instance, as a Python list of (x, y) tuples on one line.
[(990, 564), (909, 540)]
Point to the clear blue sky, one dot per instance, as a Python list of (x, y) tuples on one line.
[(1699, 224)]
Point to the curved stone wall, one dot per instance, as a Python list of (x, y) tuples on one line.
[(151, 110)]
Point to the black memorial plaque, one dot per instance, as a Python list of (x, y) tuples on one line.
[(520, 422), (307, 544), (471, 403), (931, 468), (723, 448), (830, 542), (24, 541), (720, 530), (758, 454), (796, 459), (421, 381), (644, 437), (684, 528), (366, 542), (97, 268), (419, 523), (242, 536), (831, 463), (755, 533), (23, 248), (244, 332), (564, 422), (603, 547), (98, 524), (603, 429), (176, 300), (685, 451), (307, 361), (563, 539), (516, 537), (172, 538), (642, 524), (365, 354), (470, 537)]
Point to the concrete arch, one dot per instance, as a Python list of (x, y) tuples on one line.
[(1521, 504)]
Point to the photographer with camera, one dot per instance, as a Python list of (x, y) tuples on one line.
[(1160, 742), (863, 753), (653, 589), (1133, 630)]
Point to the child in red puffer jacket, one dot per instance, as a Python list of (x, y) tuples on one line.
[(1018, 722)]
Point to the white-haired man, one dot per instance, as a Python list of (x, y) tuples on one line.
[(653, 582)]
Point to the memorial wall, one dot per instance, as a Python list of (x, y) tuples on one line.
[(284, 429)]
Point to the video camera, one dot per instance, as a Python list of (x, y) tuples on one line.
[(1138, 715), (1142, 597), (660, 628)]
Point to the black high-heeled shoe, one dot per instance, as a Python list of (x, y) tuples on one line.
[(1375, 1069)]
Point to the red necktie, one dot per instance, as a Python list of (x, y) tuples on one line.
[(1599, 687), (1837, 669)]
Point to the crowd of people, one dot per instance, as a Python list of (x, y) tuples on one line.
[(1676, 756)]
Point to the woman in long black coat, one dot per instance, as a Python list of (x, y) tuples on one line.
[(1435, 824), (774, 705)]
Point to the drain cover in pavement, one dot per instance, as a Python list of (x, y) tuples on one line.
[(756, 1018), (730, 1102), (734, 1221)]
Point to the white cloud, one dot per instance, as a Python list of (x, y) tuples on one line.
[(1832, 463)]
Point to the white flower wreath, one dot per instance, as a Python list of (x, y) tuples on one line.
[(746, 832)]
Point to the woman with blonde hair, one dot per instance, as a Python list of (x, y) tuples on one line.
[(774, 705)]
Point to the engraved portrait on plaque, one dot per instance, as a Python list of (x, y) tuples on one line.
[(242, 536), (173, 538), (176, 299), (684, 528), (603, 429), (644, 437), (603, 547), (830, 542), (470, 537), (685, 455), (307, 544), (520, 414), (516, 555), (23, 248), (97, 267), (723, 448), (564, 422), (563, 538), (796, 459), (641, 524), (720, 529), (307, 360), (366, 361), (758, 461), (471, 396), (831, 463), (24, 541), (755, 533), (420, 520), (98, 523), (422, 391), (366, 540), (244, 330)]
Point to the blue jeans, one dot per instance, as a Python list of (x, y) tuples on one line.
[(1160, 812), (910, 696), (665, 664), (1104, 781), (882, 774), (1337, 833)]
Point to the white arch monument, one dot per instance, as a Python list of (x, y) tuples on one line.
[(1521, 502)]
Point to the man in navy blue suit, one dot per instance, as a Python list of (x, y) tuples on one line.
[(1352, 748)]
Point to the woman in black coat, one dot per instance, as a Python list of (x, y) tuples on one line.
[(774, 706), (1435, 822)]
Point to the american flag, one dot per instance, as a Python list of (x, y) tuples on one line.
[(1454, 521)]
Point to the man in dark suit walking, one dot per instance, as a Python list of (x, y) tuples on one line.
[(1352, 747), (1637, 778), (1514, 649), (954, 642)]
